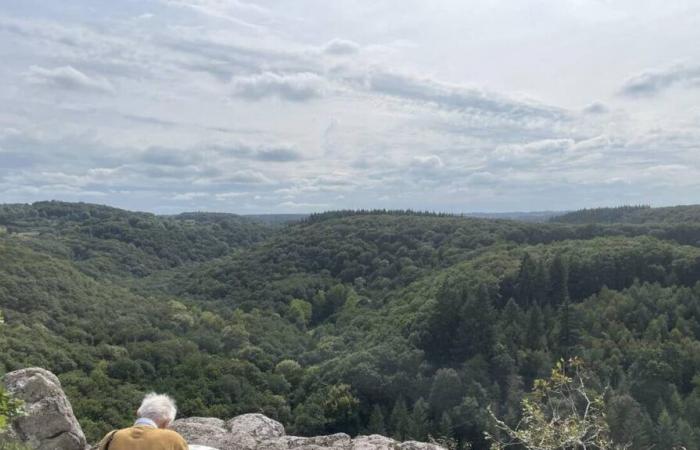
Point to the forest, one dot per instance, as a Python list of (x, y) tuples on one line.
[(409, 324)]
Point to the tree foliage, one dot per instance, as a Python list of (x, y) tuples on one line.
[(413, 324)]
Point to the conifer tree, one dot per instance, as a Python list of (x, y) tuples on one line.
[(446, 429), (558, 280), (535, 336), (525, 285), (559, 294), (420, 423), (376, 424), (400, 420), (665, 432)]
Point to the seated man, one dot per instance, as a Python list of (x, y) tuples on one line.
[(148, 433)]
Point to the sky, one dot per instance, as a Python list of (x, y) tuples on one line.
[(279, 106)]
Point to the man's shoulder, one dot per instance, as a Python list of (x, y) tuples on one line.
[(172, 433), (152, 433)]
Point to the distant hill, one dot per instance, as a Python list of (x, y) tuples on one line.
[(531, 216), (127, 242), (632, 215), (277, 219)]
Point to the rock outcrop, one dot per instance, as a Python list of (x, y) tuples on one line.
[(49, 423), (258, 432)]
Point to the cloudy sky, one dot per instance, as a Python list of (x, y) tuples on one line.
[(308, 105)]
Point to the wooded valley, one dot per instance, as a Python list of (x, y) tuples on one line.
[(396, 322)]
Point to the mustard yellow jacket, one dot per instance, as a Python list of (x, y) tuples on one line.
[(143, 438)]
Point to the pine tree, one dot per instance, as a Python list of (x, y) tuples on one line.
[(513, 326), (446, 391), (376, 423), (687, 437), (535, 336), (420, 423), (559, 295), (442, 324), (446, 429), (540, 283), (665, 432), (400, 420), (475, 333), (558, 280), (525, 285)]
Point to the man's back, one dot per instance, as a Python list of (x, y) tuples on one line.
[(147, 438)]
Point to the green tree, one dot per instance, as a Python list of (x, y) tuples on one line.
[(399, 421), (300, 312), (526, 283), (290, 370), (420, 420), (446, 429), (376, 424), (475, 331), (558, 280), (340, 407), (445, 392), (562, 413)]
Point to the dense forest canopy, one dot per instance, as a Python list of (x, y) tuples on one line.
[(642, 214), (398, 322)]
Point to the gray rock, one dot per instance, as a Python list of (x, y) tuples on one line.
[(282, 443), (415, 445), (49, 423), (256, 425), (216, 433), (338, 440), (374, 442), (258, 432), (206, 431)]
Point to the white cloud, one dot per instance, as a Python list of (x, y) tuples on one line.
[(67, 78), (295, 87), (427, 162)]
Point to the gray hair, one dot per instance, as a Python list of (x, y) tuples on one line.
[(157, 407)]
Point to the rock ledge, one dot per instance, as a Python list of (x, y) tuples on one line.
[(258, 432)]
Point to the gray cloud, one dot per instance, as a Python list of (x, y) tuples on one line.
[(295, 87), (341, 47), (67, 78), (457, 97), (244, 176), (596, 108), (654, 81), (263, 152), (169, 157), (280, 154)]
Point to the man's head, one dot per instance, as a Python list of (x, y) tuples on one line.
[(159, 408)]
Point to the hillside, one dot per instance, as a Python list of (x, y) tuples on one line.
[(103, 240), (632, 215), (402, 323)]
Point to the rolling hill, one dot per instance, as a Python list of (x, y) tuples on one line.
[(407, 323)]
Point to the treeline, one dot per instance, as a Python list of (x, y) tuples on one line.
[(642, 214)]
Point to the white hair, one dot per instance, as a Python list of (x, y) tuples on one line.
[(157, 407)]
